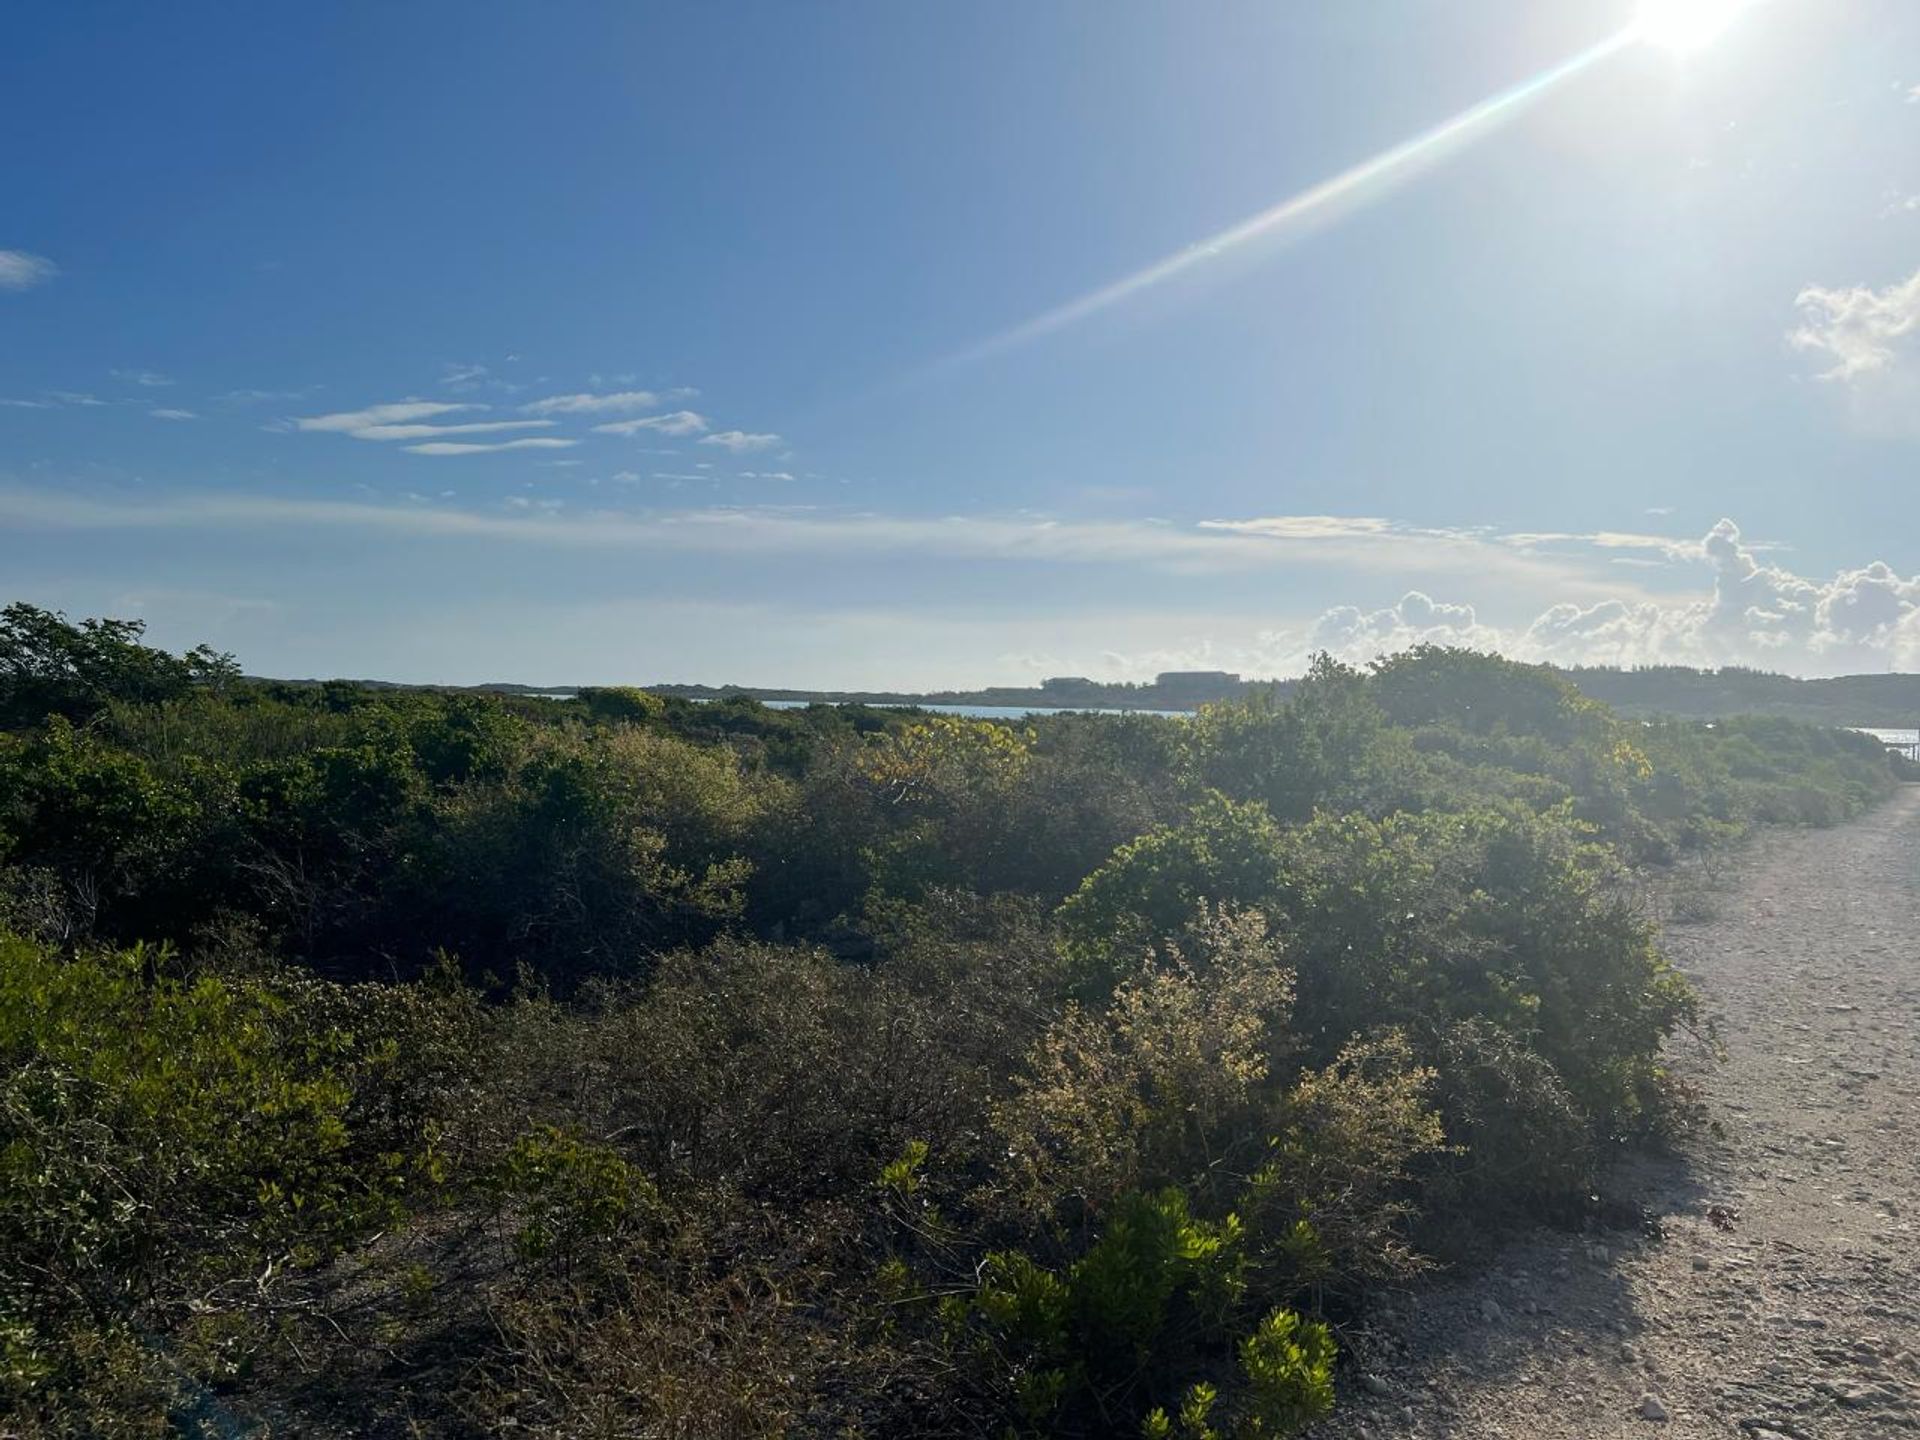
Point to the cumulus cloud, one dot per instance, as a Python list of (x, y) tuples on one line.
[(740, 442), (677, 422), (1415, 619), (22, 271), (1860, 329), (620, 402), (1755, 613)]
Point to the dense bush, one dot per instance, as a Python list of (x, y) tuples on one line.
[(396, 1061)]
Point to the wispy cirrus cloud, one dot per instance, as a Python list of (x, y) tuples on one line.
[(1218, 548), (153, 379), (1601, 539), (424, 432), (675, 423), (405, 420), (22, 270), (617, 403), (1305, 527), (168, 413), (346, 422), (740, 442), (251, 397), (443, 447)]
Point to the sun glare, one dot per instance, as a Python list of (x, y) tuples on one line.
[(1683, 26)]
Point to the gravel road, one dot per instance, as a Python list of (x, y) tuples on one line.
[(1783, 1297)]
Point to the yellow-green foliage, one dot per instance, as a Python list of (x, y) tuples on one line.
[(1345, 1140), (1123, 1322), (1288, 1363), (568, 1195), (160, 1133), (1164, 1083)]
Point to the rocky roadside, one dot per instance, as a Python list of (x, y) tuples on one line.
[(1780, 1299)]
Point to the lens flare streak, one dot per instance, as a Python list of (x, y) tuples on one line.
[(1338, 195)]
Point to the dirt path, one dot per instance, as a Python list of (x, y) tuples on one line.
[(1799, 1314)]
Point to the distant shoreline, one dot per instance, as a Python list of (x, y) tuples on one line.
[(1890, 701)]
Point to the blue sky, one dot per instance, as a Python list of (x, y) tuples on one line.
[(576, 343)]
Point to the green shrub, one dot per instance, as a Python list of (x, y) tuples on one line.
[(159, 1135), (1122, 1323), (570, 1197), (621, 702), (1166, 1084)]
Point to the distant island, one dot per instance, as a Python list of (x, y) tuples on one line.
[(1890, 701)]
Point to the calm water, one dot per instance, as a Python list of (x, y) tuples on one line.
[(1892, 737), (988, 712)]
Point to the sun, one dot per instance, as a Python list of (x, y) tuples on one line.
[(1683, 26)]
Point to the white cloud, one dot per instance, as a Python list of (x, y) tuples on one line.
[(1415, 619), (169, 414), (1743, 608), (583, 404), (1754, 614), (449, 448), (1163, 546), (678, 422), (22, 271), (766, 475), (1861, 329), (428, 432), (152, 378), (248, 397), (73, 397), (346, 422), (1305, 527), (402, 421), (27, 404), (740, 442), (463, 377), (1598, 539)]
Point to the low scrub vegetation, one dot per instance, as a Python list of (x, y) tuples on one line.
[(380, 1061)]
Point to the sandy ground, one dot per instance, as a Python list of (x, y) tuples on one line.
[(1782, 1298)]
